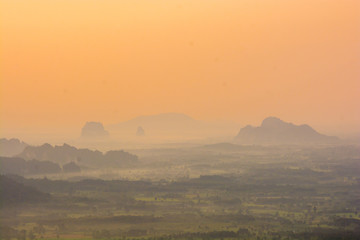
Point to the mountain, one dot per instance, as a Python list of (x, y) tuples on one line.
[(176, 125), (83, 157), (275, 131), (94, 130), (11, 147)]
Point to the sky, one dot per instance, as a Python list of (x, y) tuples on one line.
[(65, 62)]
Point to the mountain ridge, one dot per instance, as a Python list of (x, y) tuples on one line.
[(276, 131), (172, 124)]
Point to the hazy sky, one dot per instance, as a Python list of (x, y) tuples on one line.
[(65, 62)]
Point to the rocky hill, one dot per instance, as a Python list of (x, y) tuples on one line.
[(94, 130), (275, 131)]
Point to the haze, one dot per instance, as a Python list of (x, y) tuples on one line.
[(169, 119), (68, 62)]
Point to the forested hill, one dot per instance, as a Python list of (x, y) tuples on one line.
[(13, 192), (83, 156)]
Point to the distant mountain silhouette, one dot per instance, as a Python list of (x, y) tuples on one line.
[(94, 130), (11, 147), (275, 131), (84, 157), (172, 125)]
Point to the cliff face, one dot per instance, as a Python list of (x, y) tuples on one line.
[(275, 131)]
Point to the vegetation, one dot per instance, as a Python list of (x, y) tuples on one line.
[(249, 193)]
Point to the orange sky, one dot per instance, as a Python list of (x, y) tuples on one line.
[(65, 62)]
